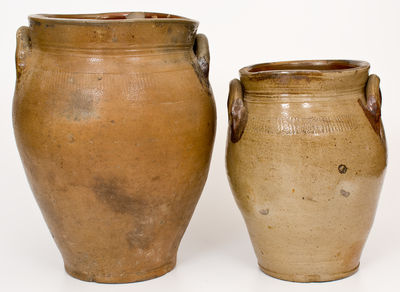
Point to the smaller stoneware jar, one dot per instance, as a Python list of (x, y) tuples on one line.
[(306, 156)]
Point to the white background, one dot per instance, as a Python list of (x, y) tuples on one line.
[(216, 253)]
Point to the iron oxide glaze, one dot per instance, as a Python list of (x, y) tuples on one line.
[(114, 120), (306, 156)]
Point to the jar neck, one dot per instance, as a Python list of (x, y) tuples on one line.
[(112, 35)]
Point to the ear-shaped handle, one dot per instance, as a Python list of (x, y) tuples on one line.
[(237, 111), (373, 102), (202, 52), (23, 49), (374, 97)]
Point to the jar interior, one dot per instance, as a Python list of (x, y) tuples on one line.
[(303, 66), (115, 16)]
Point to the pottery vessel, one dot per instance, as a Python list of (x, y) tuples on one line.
[(114, 120), (306, 156)]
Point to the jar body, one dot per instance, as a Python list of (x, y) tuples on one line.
[(116, 146), (306, 175)]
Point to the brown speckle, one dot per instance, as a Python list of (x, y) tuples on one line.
[(342, 168), (71, 138), (309, 199), (35, 22), (344, 193), (293, 190), (155, 178)]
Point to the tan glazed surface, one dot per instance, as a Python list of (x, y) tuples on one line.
[(115, 120), (306, 156)]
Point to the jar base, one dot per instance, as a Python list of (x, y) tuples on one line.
[(309, 278), (122, 278)]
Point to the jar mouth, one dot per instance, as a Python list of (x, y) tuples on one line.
[(305, 78), (304, 67), (111, 17)]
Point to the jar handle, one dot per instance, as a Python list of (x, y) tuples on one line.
[(23, 49), (237, 111), (373, 102), (202, 52)]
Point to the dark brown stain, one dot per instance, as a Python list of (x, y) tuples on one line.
[(342, 168), (237, 111), (373, 115), (200, 76), (112, 193), (239, 117)]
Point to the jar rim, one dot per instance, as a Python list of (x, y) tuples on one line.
[(304, 67), (111, 17)]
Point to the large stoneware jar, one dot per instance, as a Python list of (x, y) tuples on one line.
[(306, 157), (114, 120)]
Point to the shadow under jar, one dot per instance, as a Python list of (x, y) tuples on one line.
[(114, 120), (306, 156)]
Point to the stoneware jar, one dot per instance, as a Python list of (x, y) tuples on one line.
[(114, 120), (306, 156)]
